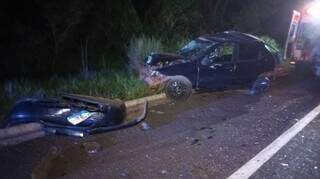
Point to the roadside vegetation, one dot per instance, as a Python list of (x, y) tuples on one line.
[(123, 83), (271, 42), (140, 47), (98, 47), (113, 83), (109, 84)]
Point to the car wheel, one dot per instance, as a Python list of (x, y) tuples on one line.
[(178, 88), (260, 86)]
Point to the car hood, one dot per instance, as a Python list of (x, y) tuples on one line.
[(156, 58)]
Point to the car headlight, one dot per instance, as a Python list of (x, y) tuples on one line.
[(149, 59)]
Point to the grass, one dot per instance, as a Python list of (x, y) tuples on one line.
[(140, 47), (110, 84), (104, 83)]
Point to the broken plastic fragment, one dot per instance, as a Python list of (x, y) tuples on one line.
[(92, 147), (79, 117), (145, 126)]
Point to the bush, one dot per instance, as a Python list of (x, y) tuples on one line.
[(176, 44), (271, 42), (139, 48)]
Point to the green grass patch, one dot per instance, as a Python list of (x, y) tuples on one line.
[(110, 84)]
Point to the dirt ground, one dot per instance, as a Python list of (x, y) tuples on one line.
[(209, 136)]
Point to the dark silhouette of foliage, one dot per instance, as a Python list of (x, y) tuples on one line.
[(46, 37)]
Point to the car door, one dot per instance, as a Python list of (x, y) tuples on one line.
[(267, 60), (246, 63), (216, 69)]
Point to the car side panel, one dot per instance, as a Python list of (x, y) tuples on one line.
[(215, 76), (187, 69), (247, 66)]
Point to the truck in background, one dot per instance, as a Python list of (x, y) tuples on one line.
[(303, 42)]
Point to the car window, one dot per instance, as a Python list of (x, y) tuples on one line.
[(195, 47), (222, 53), (248, 52)]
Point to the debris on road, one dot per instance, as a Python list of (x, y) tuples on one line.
[(145, 126), (92, 147), (71, 115), (156, 111), (195, 141), (164, 172)]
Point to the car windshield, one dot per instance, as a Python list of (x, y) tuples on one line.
[(195, 47)]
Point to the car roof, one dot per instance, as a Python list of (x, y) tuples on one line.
[(228, 36)]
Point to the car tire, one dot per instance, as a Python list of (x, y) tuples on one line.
[(260, 85), (178, 88)]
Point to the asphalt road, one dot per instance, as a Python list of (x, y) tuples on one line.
[(209, 136), (300, 158)]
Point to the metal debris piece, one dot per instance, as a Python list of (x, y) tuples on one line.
[(195, 141), (145, 126), (124, 173), (92, 147), (164, 172), (284, 164)]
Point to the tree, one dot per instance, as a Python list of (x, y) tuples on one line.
[(62, 17)]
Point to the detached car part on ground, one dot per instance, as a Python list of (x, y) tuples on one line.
[(73, 115), (225, 60)]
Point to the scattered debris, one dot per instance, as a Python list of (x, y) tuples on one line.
[(284, 164), (243, 145), (203, 128), (145, 126), (92, 147), (157, 112), (195, 141), (164, 172), (124, 173)]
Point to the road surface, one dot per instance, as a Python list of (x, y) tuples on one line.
[(210, 136)]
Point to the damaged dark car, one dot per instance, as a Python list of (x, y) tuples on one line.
[(73, 115), (215, 62)]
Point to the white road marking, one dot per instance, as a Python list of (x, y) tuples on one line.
[(262, 157)]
